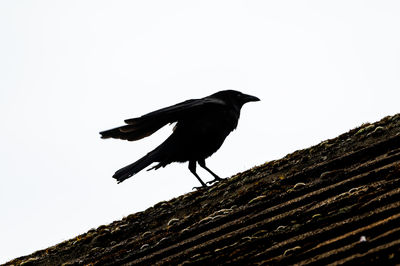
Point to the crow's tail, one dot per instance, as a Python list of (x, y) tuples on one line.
[(136, 167)]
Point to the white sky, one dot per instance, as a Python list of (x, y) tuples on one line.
[(69, 69)]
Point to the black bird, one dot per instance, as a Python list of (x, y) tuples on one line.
[(201, 127)]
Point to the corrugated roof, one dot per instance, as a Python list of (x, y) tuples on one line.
[(336, 202)]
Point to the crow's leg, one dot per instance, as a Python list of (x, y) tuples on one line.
[(192, 168), (202, 163)]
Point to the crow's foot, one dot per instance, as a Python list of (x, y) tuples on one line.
[(215, 180), (200, 188)]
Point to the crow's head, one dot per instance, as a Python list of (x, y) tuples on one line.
[(235, 98)]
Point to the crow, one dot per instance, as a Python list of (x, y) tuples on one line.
[(201, 127)]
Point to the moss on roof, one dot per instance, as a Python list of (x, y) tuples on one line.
[(335, 202)]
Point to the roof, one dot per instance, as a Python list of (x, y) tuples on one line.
[(336, 202)]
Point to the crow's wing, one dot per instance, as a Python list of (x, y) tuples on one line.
[(140, 127)]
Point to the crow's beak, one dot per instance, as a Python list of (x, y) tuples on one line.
[(248, 98)]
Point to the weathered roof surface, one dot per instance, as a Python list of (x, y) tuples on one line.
[(336, 202)]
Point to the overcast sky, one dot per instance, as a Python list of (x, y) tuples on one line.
[(69, 69)]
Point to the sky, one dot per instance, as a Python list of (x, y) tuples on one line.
[(69, 69)]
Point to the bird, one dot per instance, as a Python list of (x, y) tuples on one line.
[(201, 126)]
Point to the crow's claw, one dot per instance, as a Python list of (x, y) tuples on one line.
[(199, 188), (215, 180)]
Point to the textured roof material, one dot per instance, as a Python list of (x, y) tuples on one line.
[(335, 203)]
